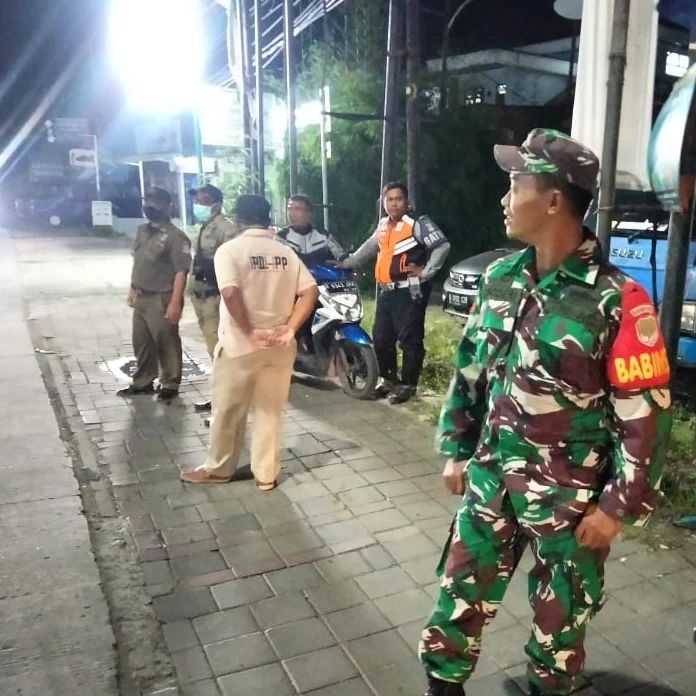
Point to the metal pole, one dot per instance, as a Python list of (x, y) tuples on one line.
[(675, 281), (290, 94), (260, 148), (249, 141), (612, 121), (182, 198), (324, 158), (412, 119), (237, 58), (391, 101), (97, 176), (198, 144)]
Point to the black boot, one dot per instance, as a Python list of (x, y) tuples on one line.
[(402, 394), (383, 389), (132, 390), (437, 687)]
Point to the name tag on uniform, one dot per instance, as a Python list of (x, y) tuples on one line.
[(268, 263)]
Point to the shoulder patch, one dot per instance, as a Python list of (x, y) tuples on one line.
[(638, 358)]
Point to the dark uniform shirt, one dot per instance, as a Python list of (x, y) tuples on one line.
[(160, 251)]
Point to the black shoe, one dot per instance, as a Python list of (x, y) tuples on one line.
[(436, 687), (203, 406), (132, 390), (165, 394), (535, 691), (383, 389), (402, 394)]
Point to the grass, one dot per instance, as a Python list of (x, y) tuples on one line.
[(442, 334)]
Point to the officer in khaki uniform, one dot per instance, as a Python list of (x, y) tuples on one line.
[(267, 294), (215, 230), (161, 261)]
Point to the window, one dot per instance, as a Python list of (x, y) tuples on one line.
[(677, 64), (502, 88)]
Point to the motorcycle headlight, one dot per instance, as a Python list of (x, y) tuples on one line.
[(348, 305), (688, 318)]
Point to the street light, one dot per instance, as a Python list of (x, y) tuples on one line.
[(157, 51)]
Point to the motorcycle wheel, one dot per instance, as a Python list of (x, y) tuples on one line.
[(358, 370)]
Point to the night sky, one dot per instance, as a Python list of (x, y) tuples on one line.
[(39, 38)]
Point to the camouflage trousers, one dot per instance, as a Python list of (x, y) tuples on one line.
[(565, 590)]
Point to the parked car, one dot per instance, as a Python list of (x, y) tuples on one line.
[(461, 286)]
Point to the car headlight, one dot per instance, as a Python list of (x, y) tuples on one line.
[(348, 305), (688, 318)]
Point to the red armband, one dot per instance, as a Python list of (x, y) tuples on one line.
[(638, 359)]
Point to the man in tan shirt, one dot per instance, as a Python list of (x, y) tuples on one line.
[(267, 295)]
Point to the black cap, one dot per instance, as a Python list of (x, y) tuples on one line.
[(159, 194), (253, 210), (214, 192)]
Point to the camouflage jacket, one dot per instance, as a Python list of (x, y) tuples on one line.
[(563, 385)]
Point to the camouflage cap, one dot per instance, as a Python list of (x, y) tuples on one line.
[(547, 151)]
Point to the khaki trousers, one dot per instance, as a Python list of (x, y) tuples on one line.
[(156, 342), (259, 382), (208, 313)]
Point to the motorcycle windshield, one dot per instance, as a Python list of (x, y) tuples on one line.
[(329, 274)]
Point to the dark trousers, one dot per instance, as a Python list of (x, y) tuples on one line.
[(400, 318)]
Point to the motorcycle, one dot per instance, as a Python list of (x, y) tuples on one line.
[(332, 341)]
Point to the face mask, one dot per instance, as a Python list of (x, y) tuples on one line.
[(203, 213), (153, 214)]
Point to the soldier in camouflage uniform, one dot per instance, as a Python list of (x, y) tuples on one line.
[(557, 419), (215, 230)]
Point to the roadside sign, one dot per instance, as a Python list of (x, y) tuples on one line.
[(102, 214), (83, 159), (69, 129)]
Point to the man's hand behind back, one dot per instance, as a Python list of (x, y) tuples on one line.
[(283, 336)]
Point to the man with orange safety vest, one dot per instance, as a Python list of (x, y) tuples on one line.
[(410, 250)]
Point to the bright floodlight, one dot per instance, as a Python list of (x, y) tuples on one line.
[(157, 51)]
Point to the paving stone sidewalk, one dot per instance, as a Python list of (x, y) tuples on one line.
[(320, 587)]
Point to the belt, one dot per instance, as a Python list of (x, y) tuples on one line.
[(204, 294), (140, 291), (393, 286)]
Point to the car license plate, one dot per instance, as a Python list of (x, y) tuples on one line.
[(458, 300)]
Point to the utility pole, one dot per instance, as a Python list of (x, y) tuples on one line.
[(325, 144), (260, 147), (612, 121), (237, 59), (249, 140), (679, 236), (412, 117), (290, 93), (391, 94)]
